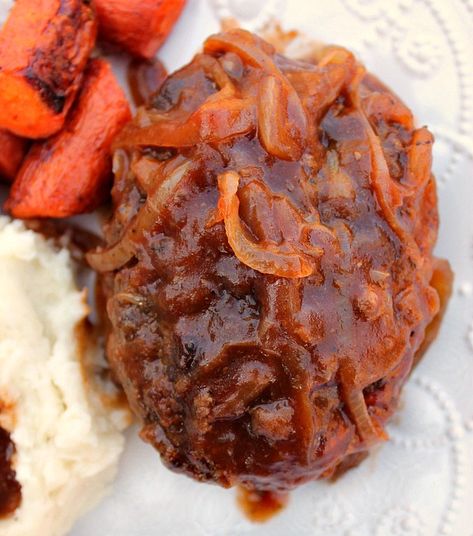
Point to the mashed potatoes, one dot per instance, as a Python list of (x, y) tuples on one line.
[(67, 443)]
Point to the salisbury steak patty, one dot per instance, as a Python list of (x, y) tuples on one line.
[(270, 262)]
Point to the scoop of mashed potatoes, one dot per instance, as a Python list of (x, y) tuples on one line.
[(67, 442)]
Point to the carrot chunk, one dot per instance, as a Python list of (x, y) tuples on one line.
[(12, 152), (138, 26), (69, 173), (44, 48)]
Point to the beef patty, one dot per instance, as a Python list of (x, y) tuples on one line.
[(269, 262)]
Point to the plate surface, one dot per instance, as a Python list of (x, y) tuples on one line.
[(421, 482)]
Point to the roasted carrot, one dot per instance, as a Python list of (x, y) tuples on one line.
[(138, 26), (69, 173), (12, 152), (44, 48)]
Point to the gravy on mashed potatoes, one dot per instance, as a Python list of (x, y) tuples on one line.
[(65, 442)]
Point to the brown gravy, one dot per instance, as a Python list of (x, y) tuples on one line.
[(10, 488), (259, 506)]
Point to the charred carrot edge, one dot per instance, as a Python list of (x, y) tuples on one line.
[(69, 173), (138, 26), (12, 152), (44, 48)]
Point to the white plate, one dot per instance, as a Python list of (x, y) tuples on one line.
[(421, 482)]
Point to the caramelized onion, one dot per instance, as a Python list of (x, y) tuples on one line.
[(283, 303), (217, 120), (419, 160), (214, 70), (109, 259), (367, 430), (250, 48), (256, 210), (388, 193), (282, 120), (146, 170), (165, 189), (296, 229), (221, 121), (385, 106), (221, 116), (268, 258), (114, 257), (321, 86)]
